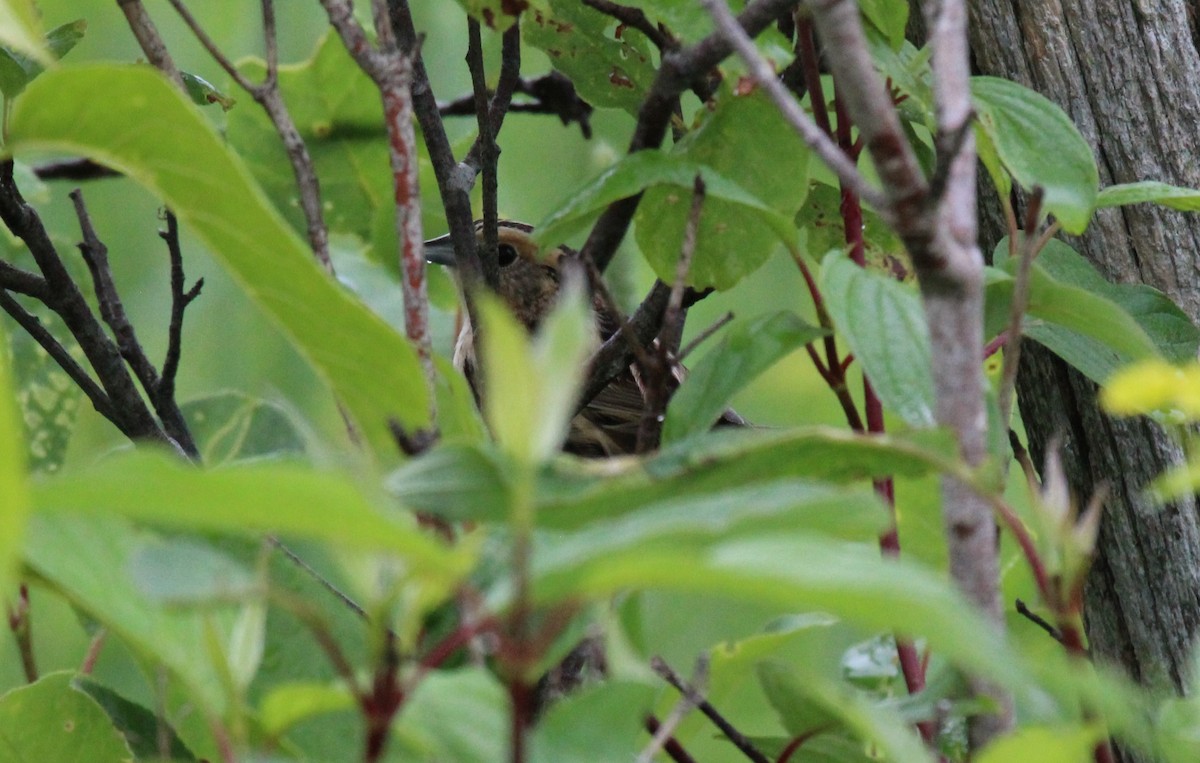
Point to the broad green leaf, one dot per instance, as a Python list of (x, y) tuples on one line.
[(288, 704), (21, 30), (646, 169), (185, 572), (1178, 726), (17, 70), (1090, 323), (48, 399), (53, 721), (1039, 145), (801, 573), (1043, 744), (745, 139), (887, 16), (290, 500), (824, 230), (459, 715), (796, 687), (14, 489), (1149, 191), (884, 325), (146, 129), (725, 460), (144, 730), (472, 482), (86, 560), (782, 506), (609, 70), (457, 482), (232, 426), (600, 723), (745, 351), (530, 385)]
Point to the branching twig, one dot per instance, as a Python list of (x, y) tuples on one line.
[(180, 299), (739, 740), (268, 95), (658, 372), (812, 134), (485, 151), (635, 18), (678, 71), (553, 93), (685, 705)]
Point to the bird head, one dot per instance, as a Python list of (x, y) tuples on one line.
[(529, 277)]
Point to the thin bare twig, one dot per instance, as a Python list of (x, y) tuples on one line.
[(685, 705), (150, 40), (671, 746), (635, 18), (812, 134), (704, 335), (739, 740), (180, 299), (1020, 301), (486, 152), (678, 71), (1039, 621)]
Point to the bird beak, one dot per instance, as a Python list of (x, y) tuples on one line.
[(440, 251)]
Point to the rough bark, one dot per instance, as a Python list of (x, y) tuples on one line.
[(1127, 73)]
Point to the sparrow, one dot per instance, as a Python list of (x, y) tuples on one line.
[(529, 284)]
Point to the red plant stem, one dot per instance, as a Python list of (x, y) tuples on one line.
[(671, 747)]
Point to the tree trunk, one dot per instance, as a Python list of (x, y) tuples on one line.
[(1128, 73)]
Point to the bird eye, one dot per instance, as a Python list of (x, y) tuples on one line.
[(508, 253)]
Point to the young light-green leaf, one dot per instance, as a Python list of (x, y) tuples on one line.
[(1040, 146), (147, 130), (21, 30), (745, 351), (884, 324)]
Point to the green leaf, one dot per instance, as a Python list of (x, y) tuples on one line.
[(85, 560), (142, 728), (232, 426), (530, 386), (14, 488), (782, 506), (17, 70), (745, 139), (745, 351), (21, 30), (600, 723), (1090, 323), (799, 691), (157, 488), (800, 572), (888, 16), (185, 572), (48, 399), (609, 70), (884, 324), (457, 482), (1149, 191), (454, 715), (202, 92), (725, 460), (1044, 744), (53, 721), (146, 129), (1040, 146), (289, 704), (646, 169)]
